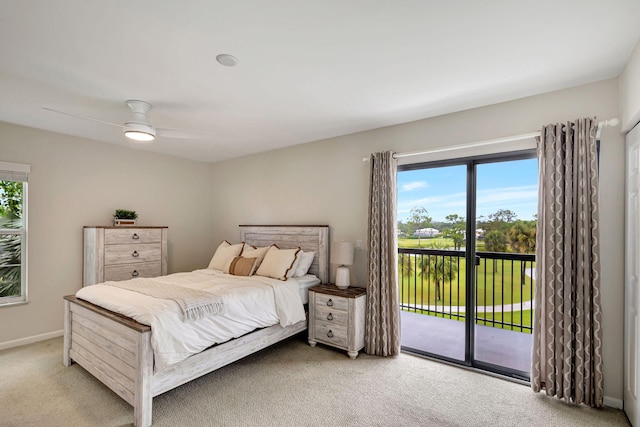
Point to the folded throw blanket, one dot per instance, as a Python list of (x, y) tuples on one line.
[(195, 304)]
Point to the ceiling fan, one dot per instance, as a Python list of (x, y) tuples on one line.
[(138, 128)]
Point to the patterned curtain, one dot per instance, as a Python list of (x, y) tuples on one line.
[(382, 329), (567, 331)]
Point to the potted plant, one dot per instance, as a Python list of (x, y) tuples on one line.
[(124, 217)]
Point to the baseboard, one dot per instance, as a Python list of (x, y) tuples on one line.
[(31, 339), (612, 403)]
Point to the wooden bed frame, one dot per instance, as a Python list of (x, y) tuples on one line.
[(117, 350)]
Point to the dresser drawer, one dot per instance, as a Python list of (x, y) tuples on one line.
[(330, 315), (331, 301), (331, 334), (125, 272), (127, 254), (126, 236)]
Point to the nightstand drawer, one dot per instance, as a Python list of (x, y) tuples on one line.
[(331, 334), (127, 254), (126, 272), (331, 316), (132, 235), (332, 301)]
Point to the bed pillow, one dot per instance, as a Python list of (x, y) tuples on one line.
[(278, 262), (241, 266), (224, 255), (257, 253), (306, 259)]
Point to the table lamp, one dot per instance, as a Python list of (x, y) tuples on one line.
[(342, 253)]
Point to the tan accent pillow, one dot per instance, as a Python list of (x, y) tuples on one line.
[(224, 254), (241, 266), (278, 262), (253, 252)]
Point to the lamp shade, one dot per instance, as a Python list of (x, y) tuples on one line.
[(342, 253)]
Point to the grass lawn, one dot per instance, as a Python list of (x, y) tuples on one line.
[(498, 282), (505, 284), (426, 243)]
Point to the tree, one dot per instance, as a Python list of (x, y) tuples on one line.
[(404, 227), (10, 244), (419, 218), (522, 237), (406, 265), (10, 201), (495, 241), (497, 221), (440, 268), (502, 216), (455, 230)]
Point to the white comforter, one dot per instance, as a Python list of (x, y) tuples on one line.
[(249, 303)]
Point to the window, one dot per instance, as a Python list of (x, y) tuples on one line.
[(13, 233)]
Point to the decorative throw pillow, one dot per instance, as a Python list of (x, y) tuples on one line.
[(253, 252), (306, 259), (241, 266), (224, 254), (278, 262)]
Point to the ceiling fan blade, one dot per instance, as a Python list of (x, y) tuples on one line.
[(78, 116), (183, 133)]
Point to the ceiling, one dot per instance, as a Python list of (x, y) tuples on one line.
[(308, 69)]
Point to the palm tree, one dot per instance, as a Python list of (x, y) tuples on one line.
[(522, 236), (406, 265), (10, 255), (495, 241), (10, 244), (440, 269)]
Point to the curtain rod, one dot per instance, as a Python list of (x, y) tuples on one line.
[(611, 122)]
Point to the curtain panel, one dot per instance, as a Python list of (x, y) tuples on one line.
[(382, 328), (567, 332)]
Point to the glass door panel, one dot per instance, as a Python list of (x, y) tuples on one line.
[(432, 204), (506, 208)]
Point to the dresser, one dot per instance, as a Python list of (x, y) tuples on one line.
[(120, 253), (337, 316)]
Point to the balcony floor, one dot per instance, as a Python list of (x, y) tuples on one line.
[(445, 337)]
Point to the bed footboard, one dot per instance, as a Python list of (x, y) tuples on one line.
[(114, 349), (117, 351)]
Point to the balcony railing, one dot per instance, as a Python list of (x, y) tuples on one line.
[(433, 282)]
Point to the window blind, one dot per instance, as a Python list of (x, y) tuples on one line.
[(14, 172)]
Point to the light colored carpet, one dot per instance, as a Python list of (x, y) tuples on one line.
[(288, 384)]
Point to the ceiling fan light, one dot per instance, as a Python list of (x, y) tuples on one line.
[(139, 132)]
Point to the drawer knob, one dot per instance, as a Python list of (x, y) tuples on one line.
[(330, 302), (135, 254), (330, 316), (135, 236), (135, 273), (330, 334)]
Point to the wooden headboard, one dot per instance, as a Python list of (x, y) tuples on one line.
[(308, 237)]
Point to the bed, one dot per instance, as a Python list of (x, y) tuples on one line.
[(117, 350)]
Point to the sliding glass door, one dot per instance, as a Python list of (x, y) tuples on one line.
[(431, 260), (466, 286)]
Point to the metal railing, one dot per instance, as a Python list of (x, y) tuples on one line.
[(433, 282)]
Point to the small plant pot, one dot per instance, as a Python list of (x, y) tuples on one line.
[(124, 222)]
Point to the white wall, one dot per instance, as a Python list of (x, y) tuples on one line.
[(326, 182), (630, 91), (76, 182)]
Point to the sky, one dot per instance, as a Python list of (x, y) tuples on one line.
[(441, 191)]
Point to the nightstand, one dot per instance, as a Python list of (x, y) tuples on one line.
[(337, 316)]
